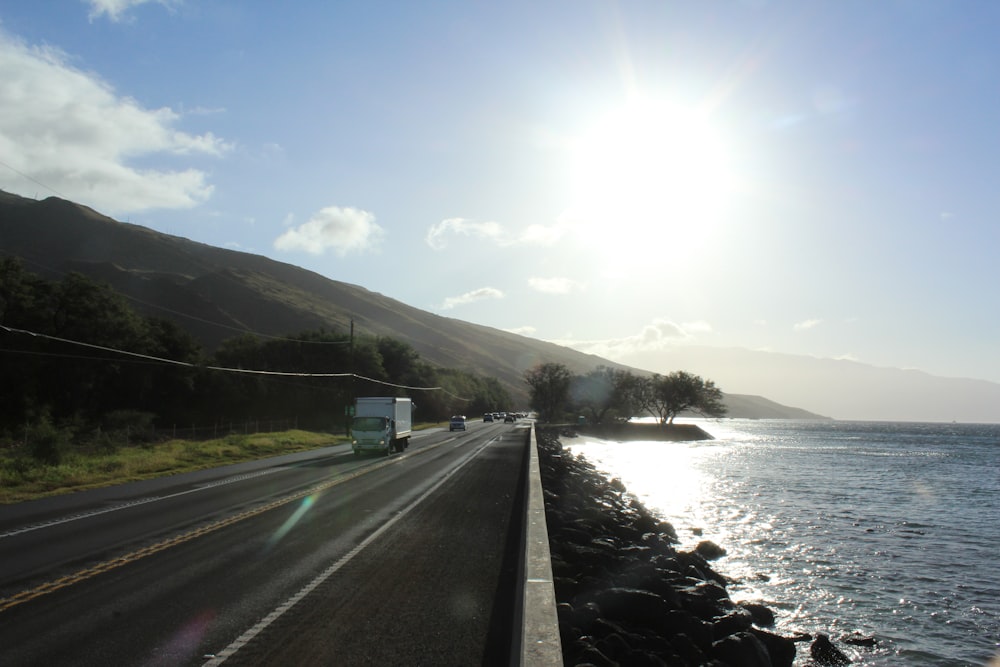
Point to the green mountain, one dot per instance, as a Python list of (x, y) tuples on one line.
[(215, 293)]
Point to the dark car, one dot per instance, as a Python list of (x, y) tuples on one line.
[(509, 417), (457, 423), (488, 417)]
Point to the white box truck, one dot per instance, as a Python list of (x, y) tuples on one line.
[(381, 424)]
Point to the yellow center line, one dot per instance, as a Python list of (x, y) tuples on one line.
[(107, 566)]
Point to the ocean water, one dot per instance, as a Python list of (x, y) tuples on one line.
[(888, 530)]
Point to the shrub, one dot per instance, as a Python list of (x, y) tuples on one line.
[(46, 442)]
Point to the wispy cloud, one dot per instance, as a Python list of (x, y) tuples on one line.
[(68, 131), (470, 297), (656, 335), (115, 10), (805, 325), (554, 285), (545, 235), (438, 235), (342, 230)]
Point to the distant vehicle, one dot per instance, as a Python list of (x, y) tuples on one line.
[(488, 417), (509, 418), (381, 424), (457, 423)]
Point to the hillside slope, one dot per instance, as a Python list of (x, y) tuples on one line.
[(215, 293)]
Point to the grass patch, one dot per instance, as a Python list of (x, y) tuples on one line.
[(26, 478)]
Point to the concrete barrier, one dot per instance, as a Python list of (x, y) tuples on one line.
[(540, 644)]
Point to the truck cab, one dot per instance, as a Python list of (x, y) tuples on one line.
[(381, 425)]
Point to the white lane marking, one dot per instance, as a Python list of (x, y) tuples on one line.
[(248, 636), (134, 503)]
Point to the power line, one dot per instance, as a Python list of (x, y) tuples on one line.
[(225, 369), (33, 180)]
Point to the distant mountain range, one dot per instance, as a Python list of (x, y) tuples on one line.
[(840, 388), (215, 293)]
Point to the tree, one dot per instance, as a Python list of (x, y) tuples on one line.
[(601, 391), (679, 391), (549, 384)]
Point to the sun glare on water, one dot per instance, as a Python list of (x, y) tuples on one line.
[(649, 178)]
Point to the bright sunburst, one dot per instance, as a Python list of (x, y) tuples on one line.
[(647, 177)]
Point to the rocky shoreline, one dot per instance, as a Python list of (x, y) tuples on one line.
[(627, 596)]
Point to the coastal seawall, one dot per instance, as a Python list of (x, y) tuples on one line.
[(627, 596)]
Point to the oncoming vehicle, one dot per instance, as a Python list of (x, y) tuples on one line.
[(509, 418), (381, 424), (488, 417), (457, 423)]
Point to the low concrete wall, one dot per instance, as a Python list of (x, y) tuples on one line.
[(540, 643)]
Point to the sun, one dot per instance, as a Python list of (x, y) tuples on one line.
[(647, 177)]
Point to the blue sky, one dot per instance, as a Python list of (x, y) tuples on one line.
[(815, 178)]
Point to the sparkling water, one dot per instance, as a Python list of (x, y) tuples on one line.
[(887, 530)]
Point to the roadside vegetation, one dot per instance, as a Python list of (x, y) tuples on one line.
[(87, 377), (24, 476)]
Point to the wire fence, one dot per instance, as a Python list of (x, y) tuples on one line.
[(219, 429)]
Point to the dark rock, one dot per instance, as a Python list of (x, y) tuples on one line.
[(574, 535), (686, 648), (781, 649), (709, 550), (823, 652), (682, 623), (627, 595), (614, 646), (762, 616), (741, 650), (585, 616), (592, 656), (566, 588), (858, 639), (633, 605), (736, 621), (637, 658)]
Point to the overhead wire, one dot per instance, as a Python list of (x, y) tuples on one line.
[(224, 369)]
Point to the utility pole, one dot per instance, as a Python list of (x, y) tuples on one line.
[(349, 411)]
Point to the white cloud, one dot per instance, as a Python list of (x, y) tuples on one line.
[(658, 334), (70, 132), (116, 9), (471, 297), (437, 235), (543, 234), (554, 285), (522, 331), (806, 325), (343, 230)]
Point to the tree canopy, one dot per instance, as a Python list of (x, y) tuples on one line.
[(619, 394), (669, 395), (549, 384), (63, 345)]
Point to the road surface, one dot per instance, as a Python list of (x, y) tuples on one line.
[(315, 559)]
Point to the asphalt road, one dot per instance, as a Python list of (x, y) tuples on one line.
[(318, 559)]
